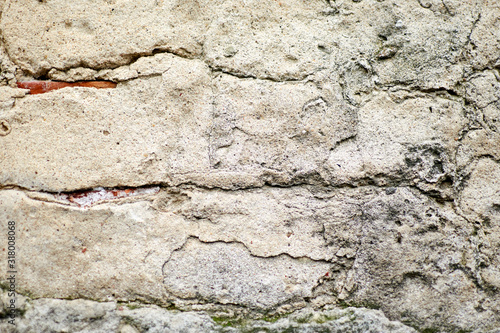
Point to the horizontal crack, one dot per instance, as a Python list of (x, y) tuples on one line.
[(240, 75), (131, 59), (249, 250), (137, 57), (88, 197)]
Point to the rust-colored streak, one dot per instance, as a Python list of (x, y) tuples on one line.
[(40, 87)]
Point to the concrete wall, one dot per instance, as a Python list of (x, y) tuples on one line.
[(254, 159)]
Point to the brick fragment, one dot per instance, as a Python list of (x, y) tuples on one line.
[(40, 87)]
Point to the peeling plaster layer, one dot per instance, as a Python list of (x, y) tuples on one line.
[(279, 40), (116, 317), (255, 158), (236, 277), (185, 124), (201, 249)]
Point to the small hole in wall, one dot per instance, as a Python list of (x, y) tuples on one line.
[(4, 127), (323, 48)]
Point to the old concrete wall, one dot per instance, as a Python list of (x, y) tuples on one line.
[(256, 159)]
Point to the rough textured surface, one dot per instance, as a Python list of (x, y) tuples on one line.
[(256, 158), (51, 315)]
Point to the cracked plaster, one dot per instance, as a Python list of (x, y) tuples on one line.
[(360, 149)]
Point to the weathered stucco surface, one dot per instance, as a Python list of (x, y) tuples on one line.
[(256, 160)]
